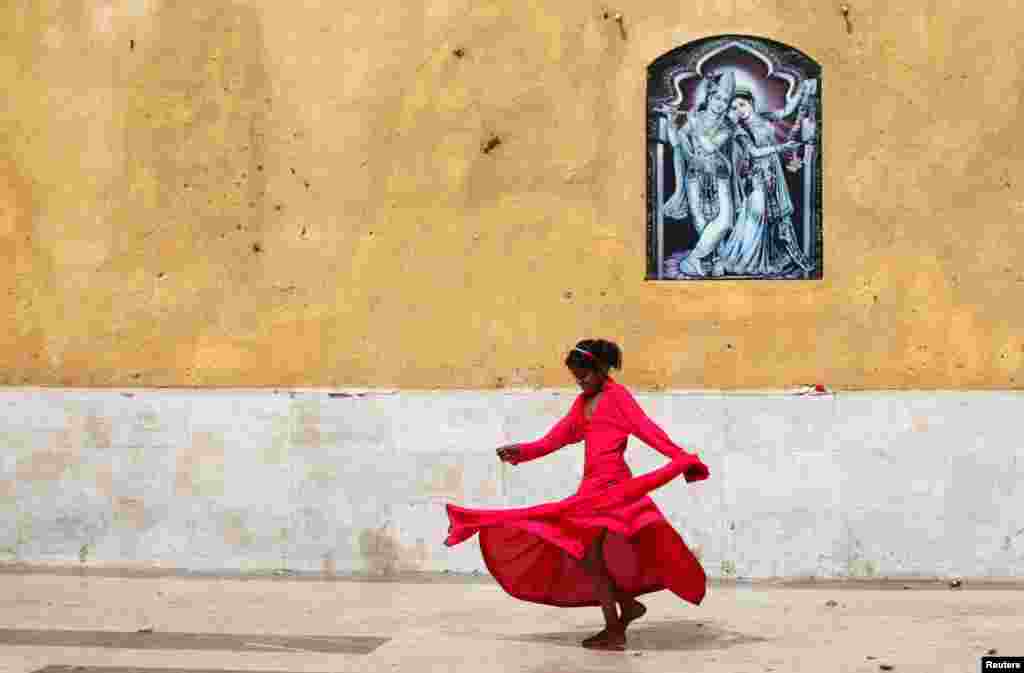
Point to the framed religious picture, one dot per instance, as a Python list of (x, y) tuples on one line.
[(734, 162)]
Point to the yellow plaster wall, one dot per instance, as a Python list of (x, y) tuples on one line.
[(265, 193)]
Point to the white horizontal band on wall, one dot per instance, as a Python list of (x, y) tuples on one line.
[(876, 483)]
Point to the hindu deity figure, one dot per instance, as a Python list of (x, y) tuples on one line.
[(763, 240), (704, 170)]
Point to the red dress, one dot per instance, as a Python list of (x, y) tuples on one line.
[(528, 550)]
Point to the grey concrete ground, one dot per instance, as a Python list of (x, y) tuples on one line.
[(67, 622)]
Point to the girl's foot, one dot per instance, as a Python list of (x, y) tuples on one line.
[(608, 639), (631, 612)]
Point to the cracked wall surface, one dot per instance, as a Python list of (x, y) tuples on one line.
[(449, 194)]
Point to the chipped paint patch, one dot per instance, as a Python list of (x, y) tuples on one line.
[(259, 565), (23, 529), (136, 9), (105, 480), (445, 481), (328, 566), (103, 18), (862, 568), (384, 554), (112, 17), (200, 468), (136, 455), (147, 421), (306, 432), (322, 474), (130, 512), (46, 464), (235, 532)]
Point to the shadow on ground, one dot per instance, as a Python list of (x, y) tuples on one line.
[(665, 636)]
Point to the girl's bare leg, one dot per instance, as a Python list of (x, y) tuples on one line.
[(593, 564), (630, 608), (613, 636)]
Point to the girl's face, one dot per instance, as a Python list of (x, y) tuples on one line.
[(590, 381), (740, 109)]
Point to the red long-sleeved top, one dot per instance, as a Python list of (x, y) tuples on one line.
[(616, 416)]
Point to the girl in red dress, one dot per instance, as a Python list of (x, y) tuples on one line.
[(608, 543)]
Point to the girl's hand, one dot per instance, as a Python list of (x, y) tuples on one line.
[(508, 454)]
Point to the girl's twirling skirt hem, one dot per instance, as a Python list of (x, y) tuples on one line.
[(533, 552)]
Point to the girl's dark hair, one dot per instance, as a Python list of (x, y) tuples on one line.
[(604, 353)]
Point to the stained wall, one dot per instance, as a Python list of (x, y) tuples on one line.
[(235, 193), (871, 484)]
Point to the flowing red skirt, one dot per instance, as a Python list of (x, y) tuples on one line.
[(532, 551)]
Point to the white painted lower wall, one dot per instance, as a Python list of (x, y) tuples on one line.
[(884, 484)]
